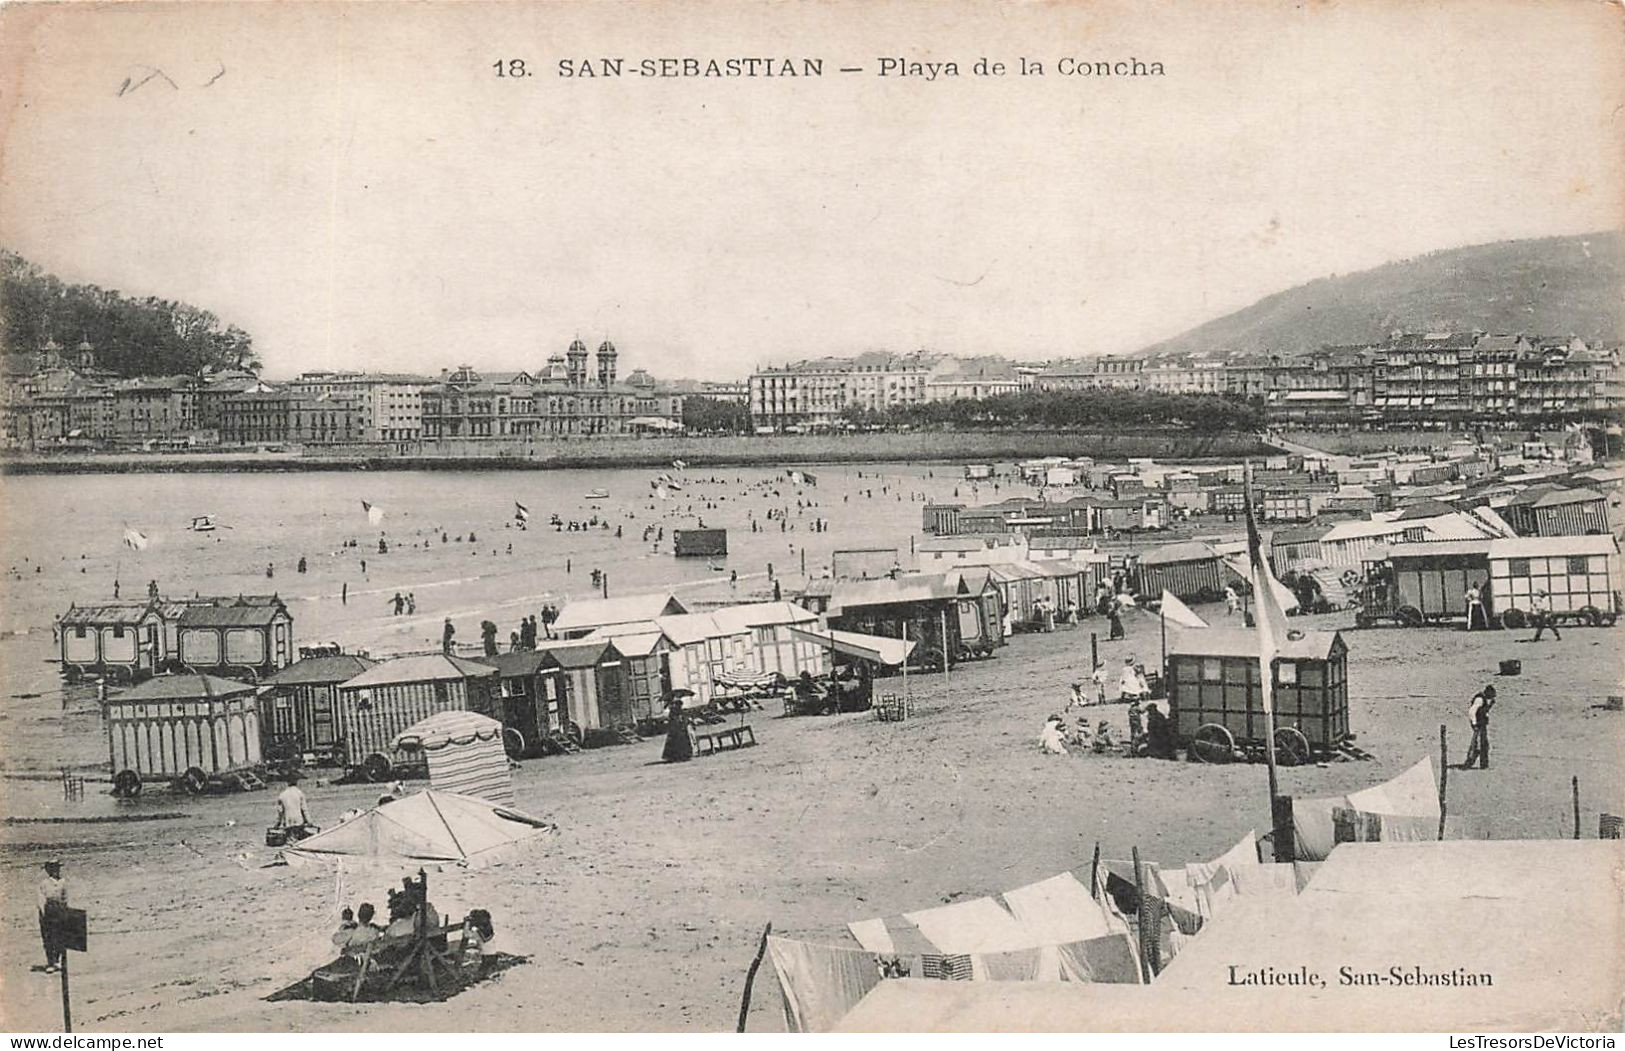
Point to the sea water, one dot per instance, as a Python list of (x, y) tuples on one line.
[(62, 541)]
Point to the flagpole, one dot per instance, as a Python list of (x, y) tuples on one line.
[(1266, 673)]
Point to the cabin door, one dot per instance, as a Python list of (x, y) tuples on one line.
[(322, 728)]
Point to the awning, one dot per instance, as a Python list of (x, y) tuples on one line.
[(876, 648)]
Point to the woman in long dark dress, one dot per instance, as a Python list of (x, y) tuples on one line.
[(679, 746)]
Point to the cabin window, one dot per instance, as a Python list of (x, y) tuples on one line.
[(1286, 673), (442, 693), (1577, 564), (81, 632), (764, 636), (1311, 675), (1518, 567), (1212, 669), (118, 631)]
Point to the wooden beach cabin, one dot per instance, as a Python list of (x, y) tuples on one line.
[(774, 649), (699, 543), (530, 691), (120, 640), (189, 729), (249, 636), (298, 713), (595, 686), (1215, 697), (703, 651), (965, 605), (1580, 575), (1192, 570), (384, 700), (583, 616), (1547, 510)]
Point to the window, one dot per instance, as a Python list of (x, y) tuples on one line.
[(1577, 564), (1212, 667), (1286, 673), (1518, 567), (118, 631)]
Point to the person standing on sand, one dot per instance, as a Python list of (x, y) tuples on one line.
[(1540, 614), (411, 603), (679, 745), (1114, 616), (447, 633), (1478, 717), (344, 593), (52, 901), (398, 602)]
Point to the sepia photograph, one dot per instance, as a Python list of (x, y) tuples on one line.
[(862, 517)]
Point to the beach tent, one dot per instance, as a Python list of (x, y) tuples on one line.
[(1413, 795), (425, 829), (1439, 915), (465, 752)]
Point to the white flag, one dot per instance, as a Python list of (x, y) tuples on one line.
[(375, 514)]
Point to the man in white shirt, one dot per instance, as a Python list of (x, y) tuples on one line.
[(51, 900), (291, 809), (1540, 612)]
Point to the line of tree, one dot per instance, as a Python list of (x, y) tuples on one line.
[(706, 415), (131, 337), (1068, 410)]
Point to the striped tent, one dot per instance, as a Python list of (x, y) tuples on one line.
[(465, 753)]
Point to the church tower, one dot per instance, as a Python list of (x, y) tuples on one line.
[(576, 363)]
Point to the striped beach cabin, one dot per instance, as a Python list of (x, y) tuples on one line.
[(389, 697)]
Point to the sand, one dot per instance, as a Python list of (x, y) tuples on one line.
[(644, 911)]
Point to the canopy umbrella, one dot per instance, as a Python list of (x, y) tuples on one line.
[(427, 829), (878, 649)]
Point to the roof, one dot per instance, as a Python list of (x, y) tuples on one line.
[(1240, 642), (1438, 549), (1359, 530), (1547, 546), (340, 667), (1552, 496), (950, 543), (248, 614), (1427, 507), (106, 613), (1060, 543), (1304, 534), (434, 667), (733, 619), (1188, 551), (593, 613), (583, 653), (1008, 571), (186, 687), (519, 664), (685, 629), (913, 587)]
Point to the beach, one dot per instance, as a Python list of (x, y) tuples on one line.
[(645, 908)]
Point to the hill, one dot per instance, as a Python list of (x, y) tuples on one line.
[(1551, 286), (131, 337)]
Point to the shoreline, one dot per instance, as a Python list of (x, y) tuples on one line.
[(589, 453)]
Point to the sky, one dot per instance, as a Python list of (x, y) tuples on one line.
[(355, 186)]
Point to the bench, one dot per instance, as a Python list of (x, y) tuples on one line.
[(713, 741)]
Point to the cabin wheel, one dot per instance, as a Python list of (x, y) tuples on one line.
[(1291, 746), (194, 781), (514, 742), (376, 767), (1591, 615), (1410, 616), (1213, 744), (572, 730), (1350, 578), (126, 784), (1514, 619)]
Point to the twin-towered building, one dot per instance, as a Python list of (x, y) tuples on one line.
[(563, 399)]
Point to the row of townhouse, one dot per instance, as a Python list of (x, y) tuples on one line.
[(821, 392), (1417, 379)]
